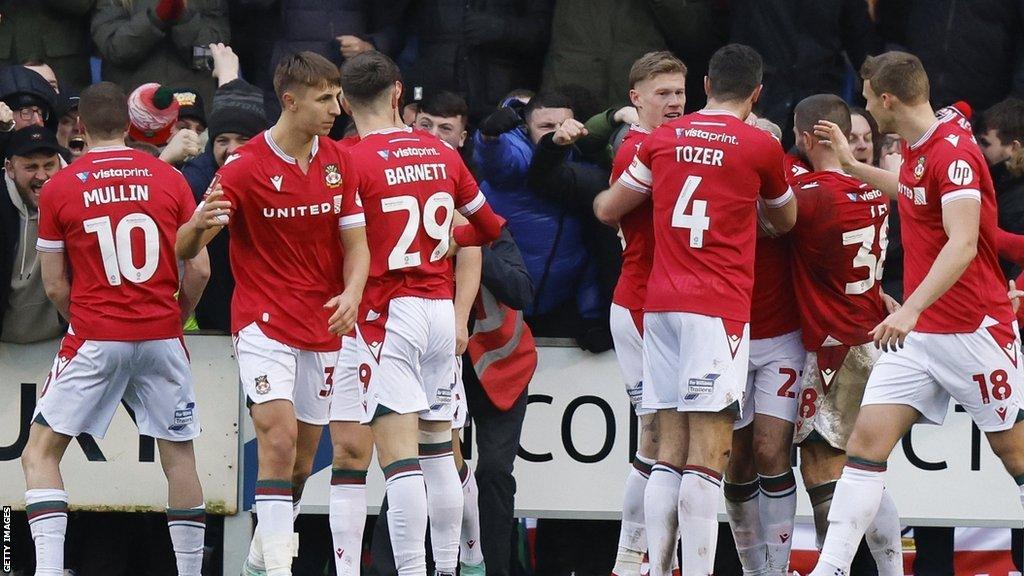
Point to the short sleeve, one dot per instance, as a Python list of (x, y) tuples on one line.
[(637, 176), (958, 176), (351, 203), (807, 207), (50, 237), (468, 197), (774, 189)]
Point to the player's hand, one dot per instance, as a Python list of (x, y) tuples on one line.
[(213, 211), (1014, 295), (346, 309), (891, 334), (225, 63), (183, 145), (6, 118), (352, 45), (453, 246), (832, 136), (891, 305), (627, 115), (892, 162), (461, 337), (569, 132)]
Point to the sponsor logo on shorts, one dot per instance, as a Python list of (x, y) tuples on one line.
[(700, 386), (442, 397), (262, 385), (636, 393), (183, 418), (1001, 411)]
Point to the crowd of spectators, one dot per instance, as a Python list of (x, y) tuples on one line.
[(534, 92), (202, 75)]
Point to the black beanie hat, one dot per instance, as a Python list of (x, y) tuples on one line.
[(238, 109)]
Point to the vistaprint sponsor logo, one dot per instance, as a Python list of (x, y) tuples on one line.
[(708, 135), (415, 152), (116, 173)]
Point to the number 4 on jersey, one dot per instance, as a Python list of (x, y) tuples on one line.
[(697, 220)]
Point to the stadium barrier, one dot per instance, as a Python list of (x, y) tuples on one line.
[(577, 439)]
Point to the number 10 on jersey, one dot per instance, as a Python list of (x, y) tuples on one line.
[(696, 220)]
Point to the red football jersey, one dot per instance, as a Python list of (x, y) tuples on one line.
[(638, 231), (410, 183), (773, 310), (115, 214), (838, 243), (704, 172), (286, 251), (946, 165)]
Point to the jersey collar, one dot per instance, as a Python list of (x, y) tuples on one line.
[(391, 130), (924, 138), (710, 112), (280, 153)]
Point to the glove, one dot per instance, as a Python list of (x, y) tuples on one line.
[(478, 29), (501, 121), (170, 10), (594, 336)]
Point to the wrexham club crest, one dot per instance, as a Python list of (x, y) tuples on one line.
[(262, 385), (332, 177)]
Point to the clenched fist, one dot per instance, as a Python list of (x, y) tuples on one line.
[(569, 132)]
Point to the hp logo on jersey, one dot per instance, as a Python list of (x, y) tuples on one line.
[(960, 173)]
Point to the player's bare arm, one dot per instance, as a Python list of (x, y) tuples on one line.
[(960, 219), (210, 216), (357, 267), (193, 282), (56, 282), (614, 203), (780, 218), (832, 136), (468, 266)]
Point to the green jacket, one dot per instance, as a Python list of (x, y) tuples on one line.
[(595, 42), (55, 31), (137, 47)]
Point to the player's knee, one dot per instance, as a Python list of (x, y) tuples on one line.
[(278, 447), (771, 455)]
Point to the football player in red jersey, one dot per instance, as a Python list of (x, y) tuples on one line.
[(410, 184), (657, 82), (295, 292), (111, 219), (955, 335), (704, 173), (838, 245)]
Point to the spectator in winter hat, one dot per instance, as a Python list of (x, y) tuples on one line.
[(152, 113), (191, 113)]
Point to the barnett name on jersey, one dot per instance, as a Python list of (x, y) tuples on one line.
[(286, 253), (704, 172), (115, 214), (410, 183), (637, 230), (838, 245), (943, 166)]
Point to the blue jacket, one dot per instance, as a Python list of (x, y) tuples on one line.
[(549, 236), (214, 309)]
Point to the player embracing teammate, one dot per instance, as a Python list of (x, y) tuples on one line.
[(704, 174), (955, 335)]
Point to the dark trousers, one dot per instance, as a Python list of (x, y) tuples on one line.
[(497, 440)]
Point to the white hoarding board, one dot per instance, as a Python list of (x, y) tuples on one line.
[(122, 470)]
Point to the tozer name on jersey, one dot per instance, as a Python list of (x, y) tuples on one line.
[(118, 193), (415, 173), (699, 155)]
